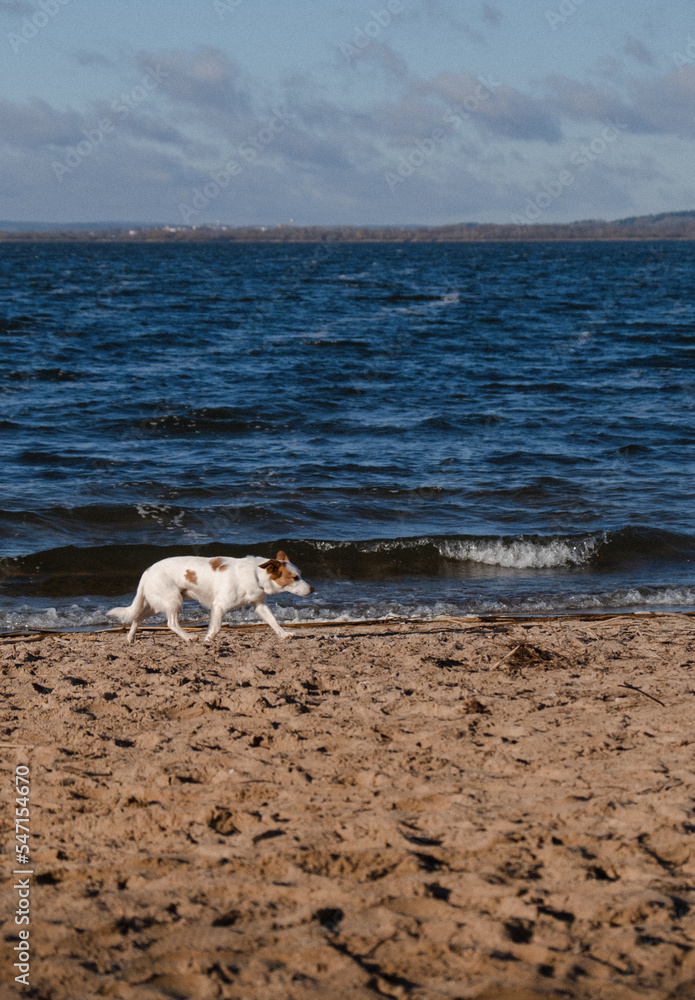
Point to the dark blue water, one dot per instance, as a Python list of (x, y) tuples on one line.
[(426, 429)]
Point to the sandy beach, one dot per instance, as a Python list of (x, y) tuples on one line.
[(498, 809)]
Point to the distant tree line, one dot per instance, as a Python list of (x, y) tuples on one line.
[(667, 226)]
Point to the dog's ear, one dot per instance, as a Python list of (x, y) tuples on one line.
[(272, 566), (281, 557)]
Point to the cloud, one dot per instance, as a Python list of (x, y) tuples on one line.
[(381, 57), (204, 79), (410, 116), (341, 128), (586, 102), (143, 126), (16, 8), (492, 15), (439, 14), (498, 109), (661, 105), (667, 102), (85, 58), (638, 50), (37, 124)]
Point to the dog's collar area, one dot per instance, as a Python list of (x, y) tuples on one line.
[(263, 578)]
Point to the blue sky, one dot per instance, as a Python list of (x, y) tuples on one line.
[(334, 112)]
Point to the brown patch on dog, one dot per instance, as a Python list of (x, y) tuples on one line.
[(273, 567), (285, 577), (190, 576), (279, 572), (218, 563), (281, 557)]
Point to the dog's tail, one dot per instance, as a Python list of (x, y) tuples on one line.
[(124, 615), (127, 615)]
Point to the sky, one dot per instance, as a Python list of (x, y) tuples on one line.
[(344, 112)]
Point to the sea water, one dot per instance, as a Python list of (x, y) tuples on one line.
[(425, 429)]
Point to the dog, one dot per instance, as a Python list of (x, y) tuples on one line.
[(219, 584)]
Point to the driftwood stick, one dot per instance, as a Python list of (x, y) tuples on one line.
[(510, 653), (646, 694)]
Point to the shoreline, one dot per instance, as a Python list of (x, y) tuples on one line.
[(194, 625), (487, 808)]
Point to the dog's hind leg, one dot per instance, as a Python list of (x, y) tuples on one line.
[(215, 625), (143, 611), (166, 598), (173, 623)]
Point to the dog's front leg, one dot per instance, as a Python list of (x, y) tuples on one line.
[(264, 612)]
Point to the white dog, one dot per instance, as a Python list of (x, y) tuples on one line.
[(218, 584)]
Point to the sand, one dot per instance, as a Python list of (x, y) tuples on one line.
[(477, 809)]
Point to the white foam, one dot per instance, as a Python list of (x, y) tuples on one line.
[(674, 597), (522, 553), (350, 607), (72, 616)]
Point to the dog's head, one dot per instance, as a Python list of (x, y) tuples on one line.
[(282, 575)]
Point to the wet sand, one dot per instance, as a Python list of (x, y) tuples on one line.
[(476, 809)]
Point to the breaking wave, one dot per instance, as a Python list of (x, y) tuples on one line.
[(114, 569), (524, 553)]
